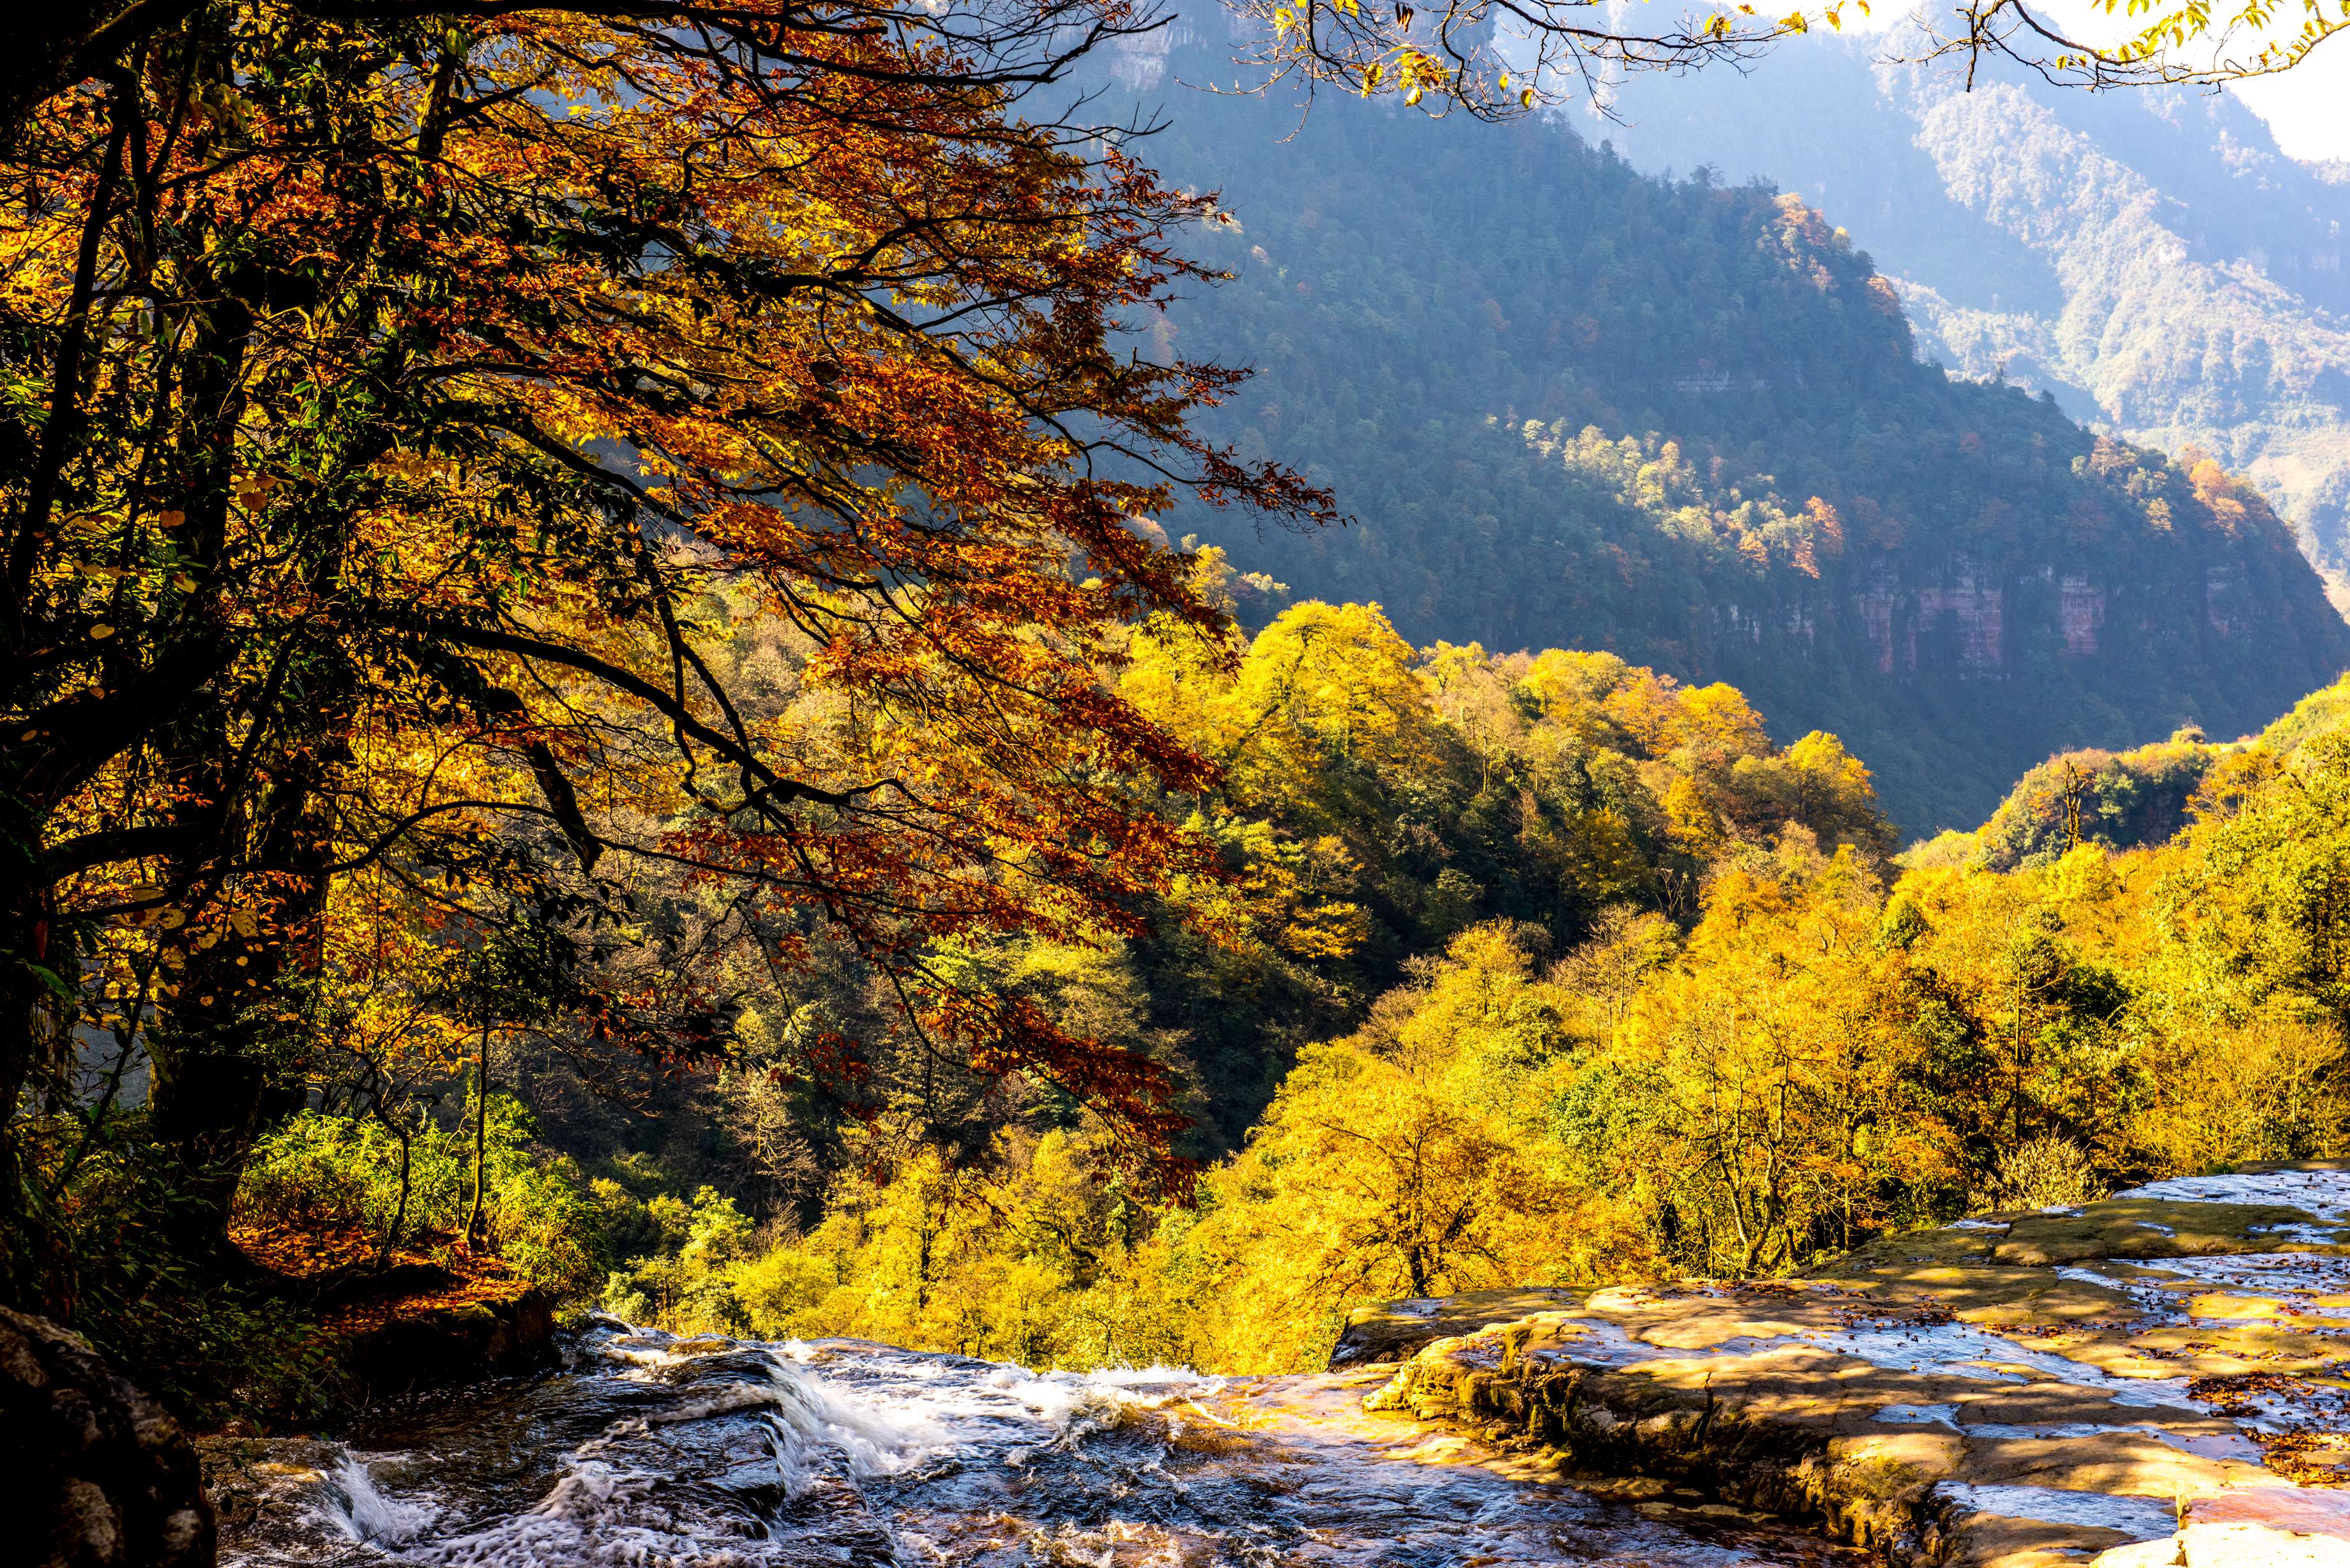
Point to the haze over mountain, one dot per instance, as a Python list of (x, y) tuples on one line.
[(1575, 406), (2151, 257)]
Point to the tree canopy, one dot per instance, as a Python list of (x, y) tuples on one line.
[(404, 414)]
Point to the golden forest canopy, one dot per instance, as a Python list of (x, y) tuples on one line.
[(1610, 779), (1831, 1053)]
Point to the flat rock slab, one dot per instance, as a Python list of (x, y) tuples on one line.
[(2153, 1381)]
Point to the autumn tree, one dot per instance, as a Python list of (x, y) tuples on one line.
[(1764, 1084), (2262, 909), (406, 413)]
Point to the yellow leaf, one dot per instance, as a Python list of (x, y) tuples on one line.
[(101, 631)]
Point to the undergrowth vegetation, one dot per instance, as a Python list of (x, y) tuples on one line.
[(544, 1219)]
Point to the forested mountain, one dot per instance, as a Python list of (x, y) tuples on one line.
[(2151, 257), (1573, 405)]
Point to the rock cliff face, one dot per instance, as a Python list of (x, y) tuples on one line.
[(1936, 669), (1951, 619), (2150, 1381)]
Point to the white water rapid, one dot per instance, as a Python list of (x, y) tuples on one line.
[(656, 1452)]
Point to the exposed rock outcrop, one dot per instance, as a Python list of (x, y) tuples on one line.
[(2156, 1377), (102, 1477), (409, 1345)]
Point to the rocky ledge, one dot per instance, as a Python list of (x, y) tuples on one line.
[(2153, 1380), (429, 1315)]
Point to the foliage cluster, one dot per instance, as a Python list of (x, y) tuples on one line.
[(2132, 799), (196, 1336), (415, 433), (2123, 800), (547, 1222), (1826, 1050)]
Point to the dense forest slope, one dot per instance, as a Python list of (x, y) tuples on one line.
[(2133, 799), (1572, 405), (2151, 257)]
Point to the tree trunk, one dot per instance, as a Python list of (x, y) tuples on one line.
[(477, 1231), (34, 1271), (213, 1091), (399, 1214)]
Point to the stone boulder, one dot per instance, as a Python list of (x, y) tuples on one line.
[(104, 1478)]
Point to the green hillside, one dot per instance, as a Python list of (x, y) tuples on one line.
[(2133, 799), (1573, 406)]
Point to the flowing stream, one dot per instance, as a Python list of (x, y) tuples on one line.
[(654, 1451)]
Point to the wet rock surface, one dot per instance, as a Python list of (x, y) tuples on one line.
[(2150, 1381), (647, 1449), (1394, 1330), (419, 1344)]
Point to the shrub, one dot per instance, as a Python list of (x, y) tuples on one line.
[(546, 1220), (209, 1344), (2040, 1173)]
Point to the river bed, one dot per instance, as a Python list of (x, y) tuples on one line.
[(657, 1452)]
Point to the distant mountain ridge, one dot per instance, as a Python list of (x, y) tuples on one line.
[(2150, 256), (1573, 406)]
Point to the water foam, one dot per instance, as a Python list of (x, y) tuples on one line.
[(657, 1453), (349, 1502)]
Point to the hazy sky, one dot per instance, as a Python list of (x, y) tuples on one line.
[(2309, 106)]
